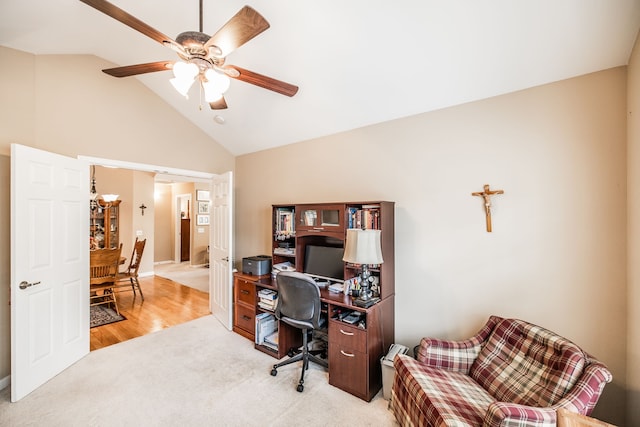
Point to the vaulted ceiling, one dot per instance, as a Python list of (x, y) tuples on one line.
[(356, 62)]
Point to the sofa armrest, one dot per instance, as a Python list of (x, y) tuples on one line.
[(581, 399), (584, 395), (455, 355), (503, 414)]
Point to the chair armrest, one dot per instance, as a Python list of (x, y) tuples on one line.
[(503, 414), (581, 399), (585, 393), (455, 355)]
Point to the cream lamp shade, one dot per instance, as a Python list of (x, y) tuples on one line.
[(363, 247)]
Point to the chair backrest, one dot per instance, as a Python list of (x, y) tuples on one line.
[(136, 256), (103, 265), (298, 300)]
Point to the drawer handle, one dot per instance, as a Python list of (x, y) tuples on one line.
[(347, 354), (244, 291), (245, 317), (346, 333)]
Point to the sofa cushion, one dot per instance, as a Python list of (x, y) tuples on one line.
[(436, 396), (526, 364)]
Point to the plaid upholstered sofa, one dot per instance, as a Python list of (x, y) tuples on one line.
[(511, 373)]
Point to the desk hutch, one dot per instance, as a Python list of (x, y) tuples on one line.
[(354, 350)]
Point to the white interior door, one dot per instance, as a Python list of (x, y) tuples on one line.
[(221, 249), (49, 266)]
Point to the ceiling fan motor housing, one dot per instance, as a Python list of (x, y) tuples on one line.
[(194, 41)]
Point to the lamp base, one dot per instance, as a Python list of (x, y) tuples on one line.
[(366, 303)]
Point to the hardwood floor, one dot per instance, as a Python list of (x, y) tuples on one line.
[(166, 303)]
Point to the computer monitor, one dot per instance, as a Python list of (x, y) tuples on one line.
[(324, 262)]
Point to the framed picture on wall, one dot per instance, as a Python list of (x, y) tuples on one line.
[(202, 195), (202, 220), (203, 208)]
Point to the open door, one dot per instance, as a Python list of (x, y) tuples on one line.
[(49, 266), (221, 249)]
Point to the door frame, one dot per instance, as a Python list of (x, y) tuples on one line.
[(171, 174)]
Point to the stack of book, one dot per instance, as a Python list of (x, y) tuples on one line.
[(267, 299)]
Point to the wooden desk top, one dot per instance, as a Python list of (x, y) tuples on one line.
[(336, 298)]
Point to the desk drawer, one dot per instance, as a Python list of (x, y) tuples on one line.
[(347, 336), (348, 370), (245, 318), (245, 292)]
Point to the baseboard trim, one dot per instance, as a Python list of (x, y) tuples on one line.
[(4, 382), (146, 274)]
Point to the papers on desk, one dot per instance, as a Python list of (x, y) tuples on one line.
[(283, 266), (336, 287), (265, 325)]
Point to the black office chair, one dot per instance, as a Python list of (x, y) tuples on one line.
[(299, 306)]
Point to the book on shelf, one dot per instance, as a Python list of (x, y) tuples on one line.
[(267, 305), (284, 251), (367, 217), (267, 294), (285, 221)]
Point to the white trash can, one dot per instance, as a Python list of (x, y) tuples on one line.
[(388, 371)]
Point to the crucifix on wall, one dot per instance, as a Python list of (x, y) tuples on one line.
[(486, 195)]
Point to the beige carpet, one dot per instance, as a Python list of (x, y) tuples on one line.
[(183, 273), (194, 374)]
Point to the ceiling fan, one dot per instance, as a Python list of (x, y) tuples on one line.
[(202, 57)]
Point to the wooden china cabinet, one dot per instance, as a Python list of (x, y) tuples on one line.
[(104, 224)]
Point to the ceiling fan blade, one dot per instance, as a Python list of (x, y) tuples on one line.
[(264, 81), (131, 21), (242, 27), (132, 70), (220, 104)]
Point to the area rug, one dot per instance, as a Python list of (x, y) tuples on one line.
[(101, 315)]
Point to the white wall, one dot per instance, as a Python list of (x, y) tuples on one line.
[(556, 256)]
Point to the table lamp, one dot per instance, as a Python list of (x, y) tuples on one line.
[(363, 247)]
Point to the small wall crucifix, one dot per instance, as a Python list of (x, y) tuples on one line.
[(142, 208), (486, 195)]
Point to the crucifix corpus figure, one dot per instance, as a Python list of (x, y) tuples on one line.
[(486, 195)]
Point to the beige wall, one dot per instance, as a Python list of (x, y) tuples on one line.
[(65, 105), (556, 256), (163, 249), (633, 233)]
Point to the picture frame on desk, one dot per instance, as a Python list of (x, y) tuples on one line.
[(202, 220)]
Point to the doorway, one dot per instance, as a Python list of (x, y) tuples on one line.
[(142, 224)]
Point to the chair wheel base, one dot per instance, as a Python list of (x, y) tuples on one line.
[(300, 388), (274, 372)]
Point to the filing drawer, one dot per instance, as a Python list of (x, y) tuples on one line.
[(348, 370), (245, 318), (245, 292), (347, 336)]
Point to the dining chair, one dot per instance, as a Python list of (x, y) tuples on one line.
[(103, 274), (130, 275)]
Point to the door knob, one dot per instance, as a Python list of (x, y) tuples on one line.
[(25, 285)]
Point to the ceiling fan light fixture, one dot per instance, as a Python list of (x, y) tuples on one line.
[(185, 70), (182, 86), (219, 82)]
